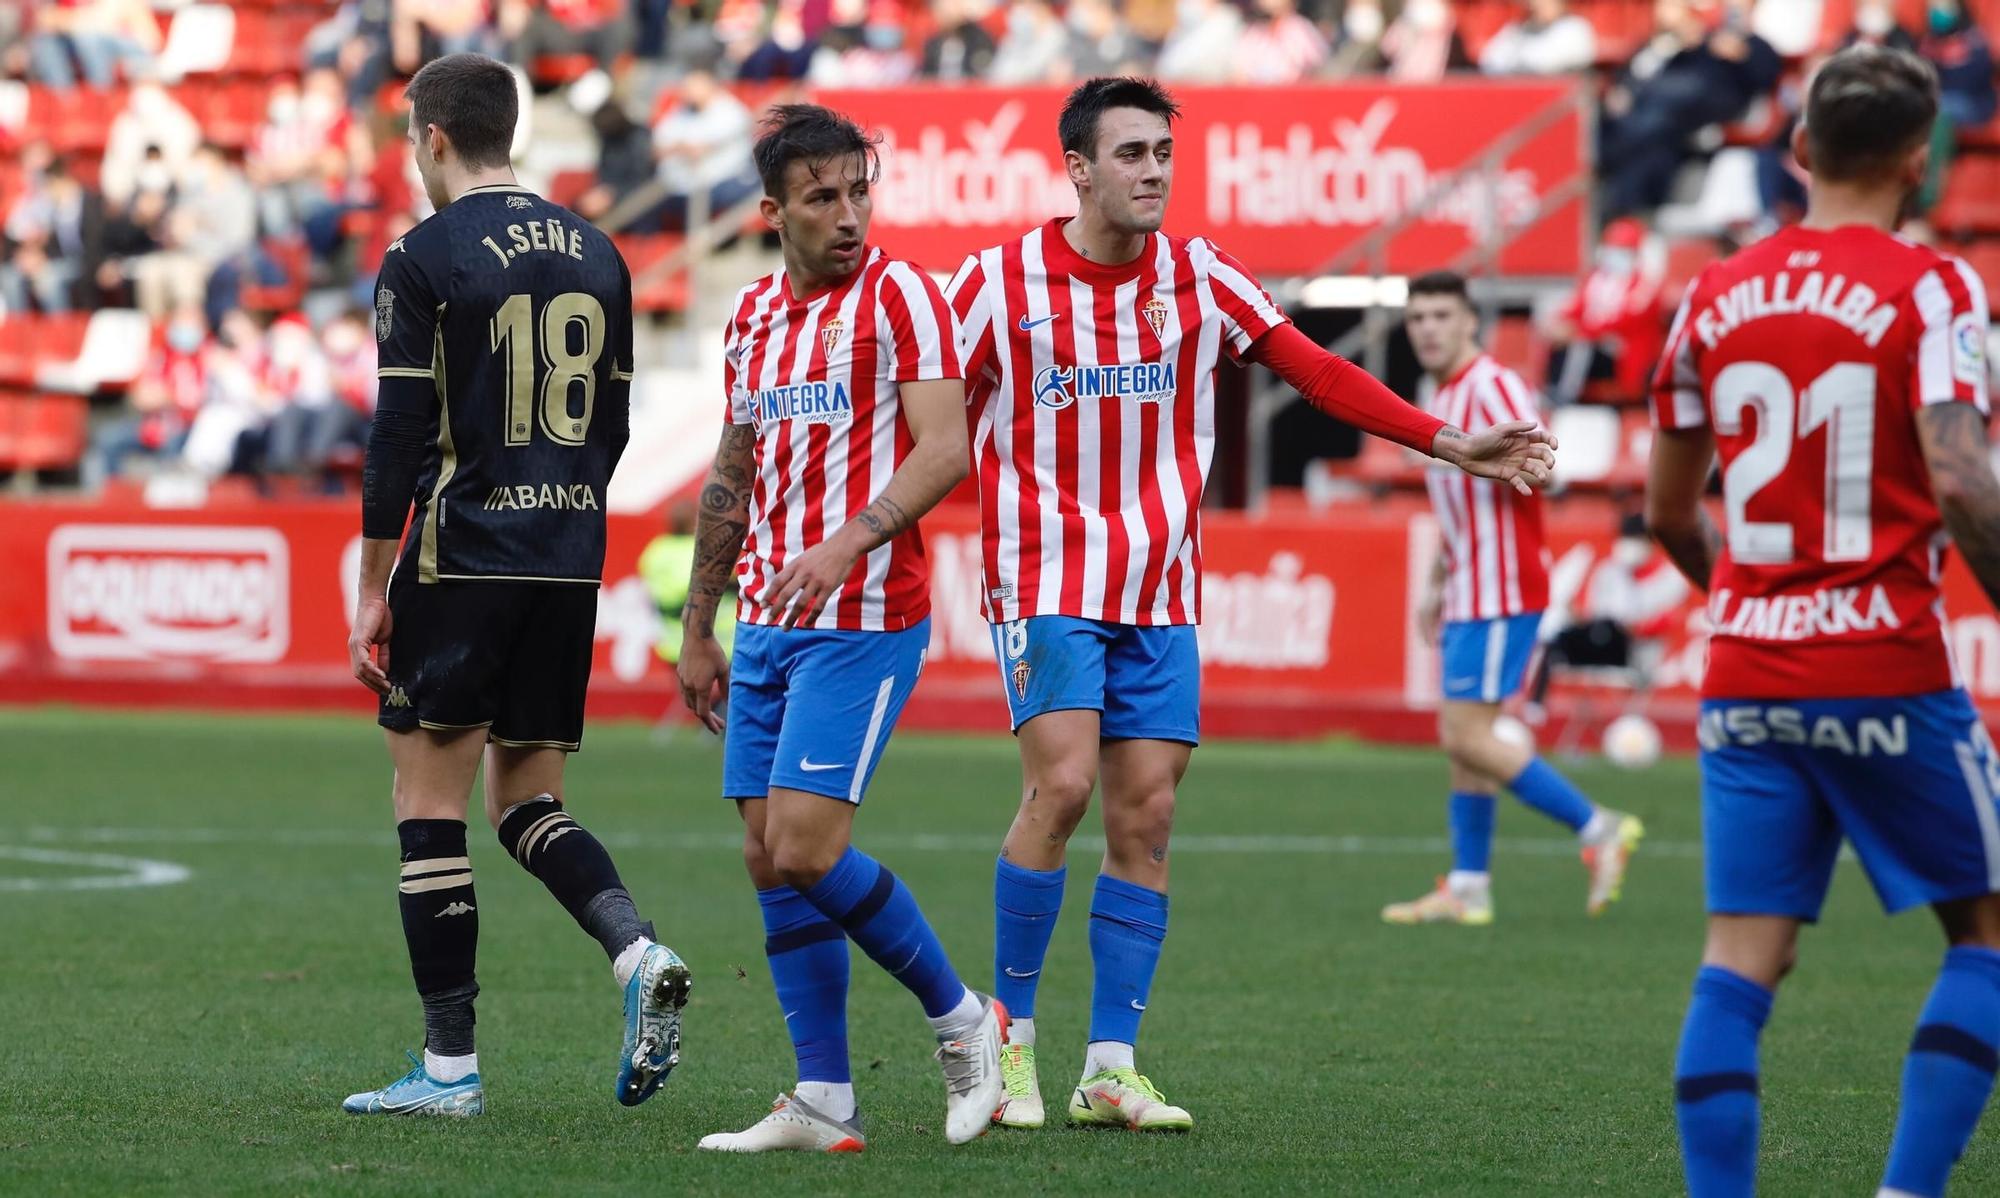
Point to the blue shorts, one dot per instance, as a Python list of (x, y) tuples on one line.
[(1909, 781), (1145, 681), (812, 709), (1485, 660)]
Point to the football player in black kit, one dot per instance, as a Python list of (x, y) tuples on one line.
[(505, 330)]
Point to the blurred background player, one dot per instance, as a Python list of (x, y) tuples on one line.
[(844, 427), (1482, 608), (505, 327), (1841, 372), (1092, 450)]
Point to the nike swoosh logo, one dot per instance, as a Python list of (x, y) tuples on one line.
[(1029, 326), (810, 767), (1011, 972), (1137, 1005)]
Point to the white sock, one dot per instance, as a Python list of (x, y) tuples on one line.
[(450, 1069), (959, 1022), (1021, 1031), (1598, 828), (833, 1099), (1466, 884), (1100, 1055), (627, 963)]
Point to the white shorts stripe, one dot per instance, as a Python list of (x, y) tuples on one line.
[(1982, 806), (868, 742), (1496, 657)]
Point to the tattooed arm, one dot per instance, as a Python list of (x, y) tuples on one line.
[(937, 462), (1674, 515), (1968, 496), (719, 532)]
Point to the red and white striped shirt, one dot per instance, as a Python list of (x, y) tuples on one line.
[(1090, 390), (818, 377), (1809, 355), (1496, 561)]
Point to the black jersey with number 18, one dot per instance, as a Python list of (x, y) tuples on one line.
[(519, 312)]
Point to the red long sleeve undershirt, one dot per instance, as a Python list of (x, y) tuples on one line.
[(1343, 390)]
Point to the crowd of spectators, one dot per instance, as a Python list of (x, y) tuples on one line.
[(197, 234)]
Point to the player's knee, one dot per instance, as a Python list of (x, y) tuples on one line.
[(1061, 793), (799, 861), (1145, 817), (757, 860)]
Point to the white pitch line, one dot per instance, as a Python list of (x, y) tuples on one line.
[(129, 871), (1266, 845)]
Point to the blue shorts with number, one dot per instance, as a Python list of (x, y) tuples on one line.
[(812, 709), (1909, 782), (1485, 661), (1145, 681)]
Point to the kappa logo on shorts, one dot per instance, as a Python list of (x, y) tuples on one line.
[(397, 697), (1021, 672)]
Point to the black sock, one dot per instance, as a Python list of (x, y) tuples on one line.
[(576, 869), (441, 924)]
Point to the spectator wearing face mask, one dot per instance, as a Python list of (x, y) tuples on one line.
[(1955, 45), (1035, 48), (238, 401), (863, 47), (1280, 46), (1202, 47), (702, 144), (308, 420), (1548, 40), (624, 160), (1610, 327), (1875, 24), (1100, 43), (164, 400), (961, 49), (1422, 44)]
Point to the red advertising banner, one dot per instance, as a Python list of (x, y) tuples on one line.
[(1307, 623), (1282, 178)]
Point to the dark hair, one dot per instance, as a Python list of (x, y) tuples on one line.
[(1077, 127), (1441, 282), (473, 99), (811, 134), (1867, 108)]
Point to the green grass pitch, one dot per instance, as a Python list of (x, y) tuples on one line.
[(197, 1037)]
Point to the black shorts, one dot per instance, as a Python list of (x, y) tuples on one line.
[(510, 657)]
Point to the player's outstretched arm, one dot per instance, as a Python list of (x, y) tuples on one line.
[(937, 462), (723, 522), (1968, 495), (1674, 515), (1519, 453)]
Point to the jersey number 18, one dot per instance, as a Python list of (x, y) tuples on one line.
[(514, 327)]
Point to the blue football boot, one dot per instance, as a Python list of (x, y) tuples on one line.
[(417, 1093), (653, 1001)]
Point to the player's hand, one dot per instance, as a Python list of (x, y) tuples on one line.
[(368, 644), (704, 678), (802, 588), (1519, 452), (1430, 616)]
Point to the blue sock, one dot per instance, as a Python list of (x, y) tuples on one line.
[(1128, 923), (808, 956), (1025, 905), (879, 914), (1949, 1072), (1540, 787), (1471, 832), (1715, 1083)]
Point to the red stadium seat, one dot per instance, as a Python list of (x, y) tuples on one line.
[(568, 186), (642, 251), (1971, 200), (554, 70), (1984, 257), (55, 431)]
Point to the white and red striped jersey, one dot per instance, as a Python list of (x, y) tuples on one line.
[(1809, 354), (1496, 561), (818, 377), (1090, 390)]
